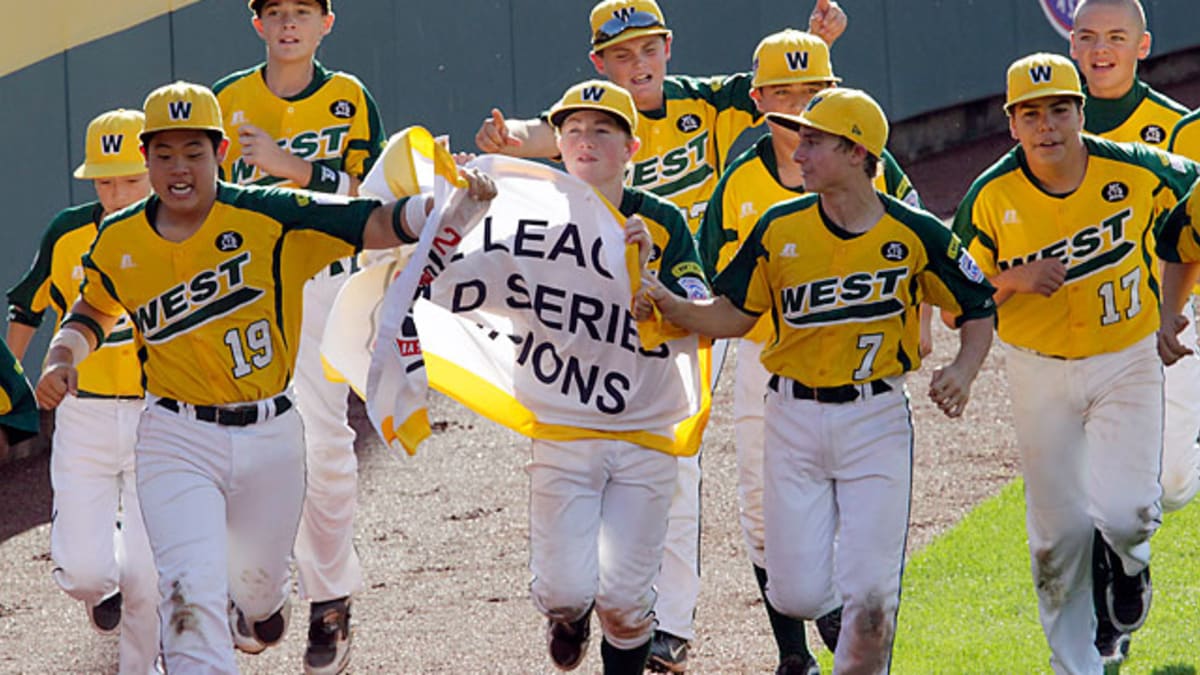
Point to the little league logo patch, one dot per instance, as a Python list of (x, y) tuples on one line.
[(229, 241), (1060, 13), (1115, 191), (341, 109), (688, 123), (894, 251), (1153, 134), (969, 268)]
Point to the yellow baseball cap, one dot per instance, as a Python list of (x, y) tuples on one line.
[(792, 56), (599, 95), (256, 5), (112, 145), (849, 113), (1039, 75), (182, 105), (615, 21)]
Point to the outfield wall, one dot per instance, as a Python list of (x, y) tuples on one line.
[(445, 64)]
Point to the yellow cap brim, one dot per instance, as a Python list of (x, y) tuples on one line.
[(796, 80), (627, 35), (558, 115), (794, 122), (86, 171), (1043, 94)]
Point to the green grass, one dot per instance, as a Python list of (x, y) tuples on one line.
[(968, 604)]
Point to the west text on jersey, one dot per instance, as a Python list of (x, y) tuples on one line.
[(207, 295), (1091, 248)]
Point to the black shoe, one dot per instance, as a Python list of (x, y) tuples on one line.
[(263, 634), (798, 665), (668, 653), (1112, 644), (1129, 598), (106, 616), (830, 626), (568, 641), (328, 651)]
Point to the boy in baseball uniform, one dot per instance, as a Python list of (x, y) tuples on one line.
[(1108, 40), (598, 507), (292, 122), (211, 274), (842, 273), (790, 67), (1063, 225), (108, 567), (688, 125)]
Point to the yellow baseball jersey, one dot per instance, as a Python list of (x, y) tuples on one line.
[(1179, 239), (685, 144), (1140, 116), (1185, 137), (673, 257), (750, 186), (18, 409), (1104, 231), (333, 123), (218, 315), (844, 307), (53, 282)]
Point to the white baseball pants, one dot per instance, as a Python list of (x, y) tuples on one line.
[(749, 393), (221, 505), (839, 471), (92, 472), (597, 521), (327, 564), (1181, 455), (1090, 434), (678, 581)]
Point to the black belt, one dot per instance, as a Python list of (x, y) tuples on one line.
[(234, 416), (846, 393), (108, 397)]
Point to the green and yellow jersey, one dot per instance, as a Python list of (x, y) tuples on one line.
[(1185, 137), (685, 144), (333, 123), (844, 307), (18, 409), (1141, 116), (53, 282), (1104, 231), (218, 315), (1179, 239), (750, 186), (673, 258)]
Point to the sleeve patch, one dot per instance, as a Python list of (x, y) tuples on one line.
[(969, 269), (683, 269), (696, 290)]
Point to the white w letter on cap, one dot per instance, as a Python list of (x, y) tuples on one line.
[(180, 110), (1040, 74), (593, 94)]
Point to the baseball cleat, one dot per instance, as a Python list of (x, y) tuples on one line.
[(106, 616), (568, 641), (264, 633), (799, 665), (1129, 598), (328, 651), (668, 653)]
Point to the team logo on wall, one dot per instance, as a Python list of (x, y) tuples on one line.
[(1059, 13), (341, 109), (229, 241), (1115, 191), (894, 251), (688, 123), (1153, 134)]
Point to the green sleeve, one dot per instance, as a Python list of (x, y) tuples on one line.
[(21, 421), (21, 296)]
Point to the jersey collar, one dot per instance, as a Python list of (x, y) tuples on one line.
[(320, 76), (1102, 115)]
